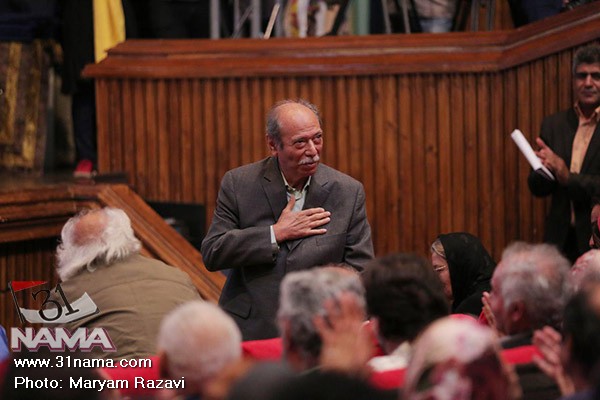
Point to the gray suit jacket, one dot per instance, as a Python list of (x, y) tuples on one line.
[(250, 200)]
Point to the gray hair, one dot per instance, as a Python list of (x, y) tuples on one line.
[(589, 54), (303, 296), (273, 124), (88, 245), (199, 340), (586, 269), (537, 275)]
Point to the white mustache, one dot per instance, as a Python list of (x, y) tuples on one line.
[(309, 160)]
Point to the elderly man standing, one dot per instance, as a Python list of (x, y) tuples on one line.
[(568, 144), (99, 255), (284, 213)]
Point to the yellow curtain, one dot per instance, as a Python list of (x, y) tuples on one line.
[(109, 26)]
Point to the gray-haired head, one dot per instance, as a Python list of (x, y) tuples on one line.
[(273, 124), (589, 54), (586, 269), (538, 276), (196, 341), (303, 296), (93, 238)]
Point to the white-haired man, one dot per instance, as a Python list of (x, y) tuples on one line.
[(530, 288), (197, 341), (99, 255), (304, 297)]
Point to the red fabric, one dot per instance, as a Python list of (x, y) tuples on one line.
[(22, 285), (521, 354), (483, 319), (267, 349), (386, 380), (3, 369), (130, 374), (377, 349)]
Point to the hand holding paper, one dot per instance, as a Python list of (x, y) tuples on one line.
[(534, 161)]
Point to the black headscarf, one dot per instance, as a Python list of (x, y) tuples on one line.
[(471, 268)]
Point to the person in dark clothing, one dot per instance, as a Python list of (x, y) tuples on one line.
[(465, 268)]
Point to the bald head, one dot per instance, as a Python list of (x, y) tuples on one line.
[(94, 238), (286, 114), (88, 227)]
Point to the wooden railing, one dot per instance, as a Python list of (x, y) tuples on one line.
[(30, 224), (422, 120)]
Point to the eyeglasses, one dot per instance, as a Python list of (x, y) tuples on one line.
[(439, 268), (583, 75)]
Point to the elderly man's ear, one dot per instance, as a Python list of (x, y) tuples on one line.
[(517, 314), (163, 365)]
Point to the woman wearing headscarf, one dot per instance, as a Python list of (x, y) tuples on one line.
[(465, 268)]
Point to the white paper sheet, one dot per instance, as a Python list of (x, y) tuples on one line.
[(534, 161)]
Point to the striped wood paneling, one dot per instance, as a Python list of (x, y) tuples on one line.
[(433, 150), (422, 120)]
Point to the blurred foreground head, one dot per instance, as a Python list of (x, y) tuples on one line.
[(459, 359), (303, 297), (197, 341)]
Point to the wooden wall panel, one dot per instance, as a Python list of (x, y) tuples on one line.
[(423, 121), (25, 261), (33, 212)]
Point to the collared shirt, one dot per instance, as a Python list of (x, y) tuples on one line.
[(582, 139), (300, 196), (397, 359)]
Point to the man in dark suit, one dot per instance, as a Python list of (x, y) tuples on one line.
[(569, 147), (281, 214)]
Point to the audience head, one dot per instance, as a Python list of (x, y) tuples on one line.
[(589, 54), (586, 77), (197, 340), (465, 268), (303, 297), (581, 333), (458, 358), (93, 238), (403, 296), (587, 267), (529, 288)]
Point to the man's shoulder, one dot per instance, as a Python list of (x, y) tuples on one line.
[(253, 168), (152, 266), (561, 116), (332, 174), (132, 268)]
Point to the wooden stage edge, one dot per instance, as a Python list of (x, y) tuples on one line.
[(35, 207)]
